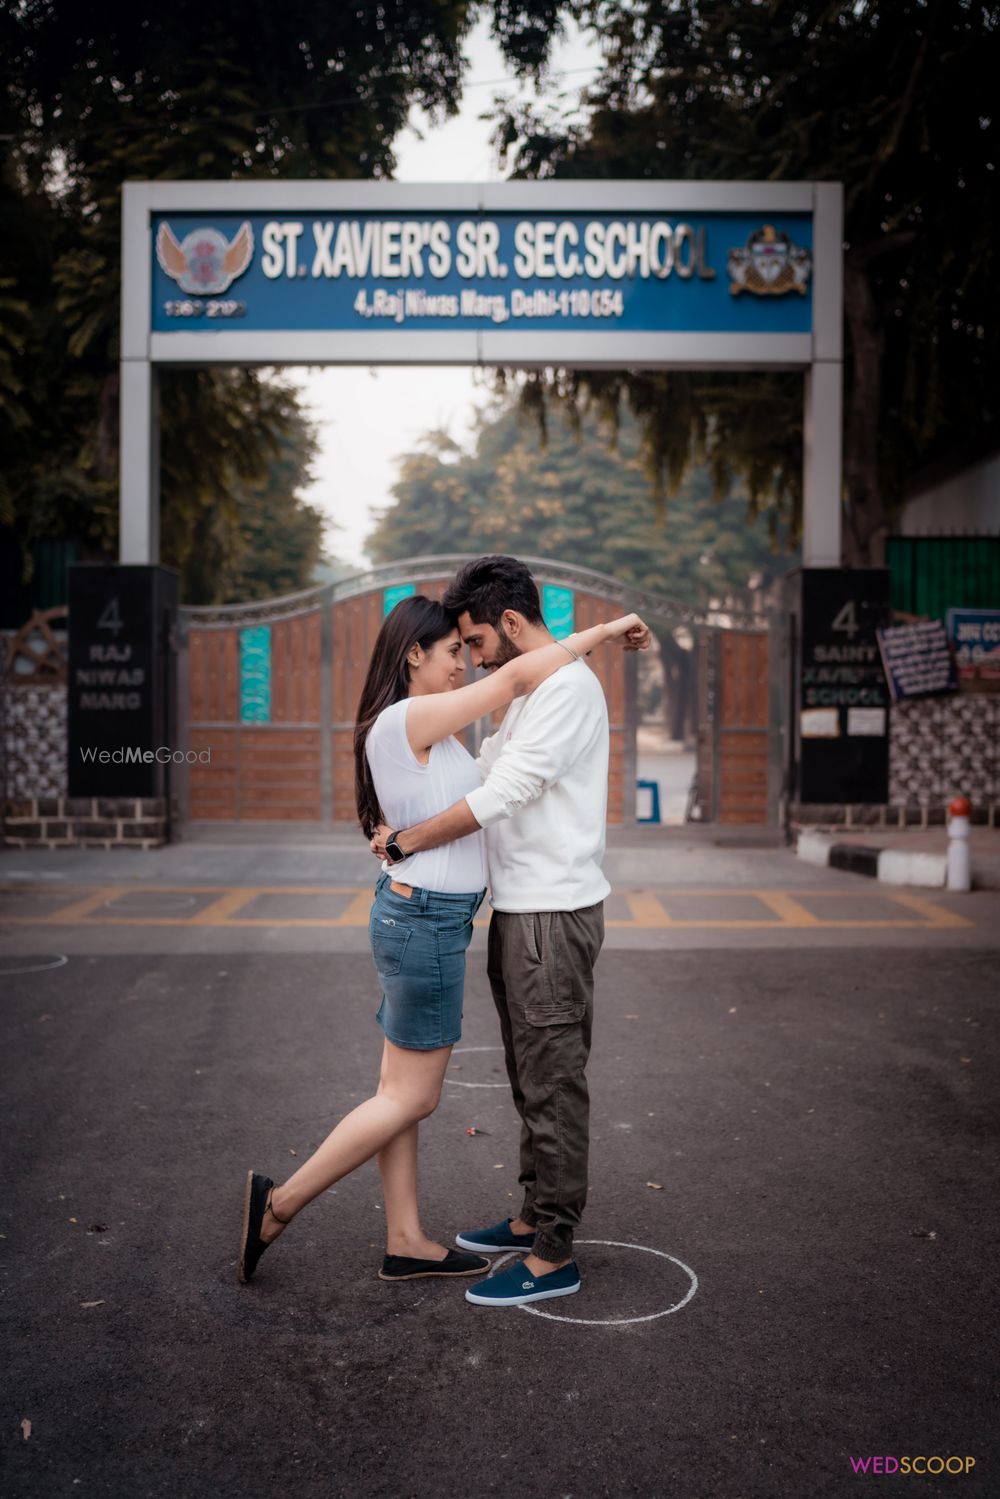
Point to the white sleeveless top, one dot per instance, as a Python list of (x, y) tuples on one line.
[(409, 792)]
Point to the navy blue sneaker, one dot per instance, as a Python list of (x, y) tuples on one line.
[(489, 1240), (516, 1287)]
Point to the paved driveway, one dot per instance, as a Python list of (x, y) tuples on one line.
[(790, 1257)]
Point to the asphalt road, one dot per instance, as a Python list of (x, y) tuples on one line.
[(814, 1279)]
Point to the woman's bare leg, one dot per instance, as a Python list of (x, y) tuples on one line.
[(409, 1089), (397, 1164)]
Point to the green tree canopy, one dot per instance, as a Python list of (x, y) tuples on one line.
[(574, 498), (91, 97), (895, 98)]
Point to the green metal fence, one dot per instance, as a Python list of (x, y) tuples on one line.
[(48, 587), (931, 574)]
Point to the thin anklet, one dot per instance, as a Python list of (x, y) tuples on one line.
[(270, 1209)]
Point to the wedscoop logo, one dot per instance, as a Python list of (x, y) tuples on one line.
[(889, 1466)]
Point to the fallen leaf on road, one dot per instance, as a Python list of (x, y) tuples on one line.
[(26, 1428), (656, 1186), (965, 1059), (93, 1303), (98, 1228)]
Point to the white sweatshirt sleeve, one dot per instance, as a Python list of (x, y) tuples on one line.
[(489, 749), (556, 722)]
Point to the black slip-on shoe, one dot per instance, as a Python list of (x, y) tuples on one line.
[(252, 1246), (402, 1267)]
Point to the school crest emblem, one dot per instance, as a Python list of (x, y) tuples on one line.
[(769, 265), (204, 262)]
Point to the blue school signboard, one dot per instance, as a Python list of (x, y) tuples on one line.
[(626, 273), (569, 274)]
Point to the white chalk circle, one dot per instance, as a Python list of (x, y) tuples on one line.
[(625, 1321), (56, 961), (458, 1084)]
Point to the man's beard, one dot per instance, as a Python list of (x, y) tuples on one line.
[(506, 650)]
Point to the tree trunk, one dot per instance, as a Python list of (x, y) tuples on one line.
[(107, 428), (867, 517)]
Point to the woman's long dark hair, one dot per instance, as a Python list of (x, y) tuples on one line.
[(414, 621)]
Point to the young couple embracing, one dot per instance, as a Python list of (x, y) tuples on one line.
[(527, 819)]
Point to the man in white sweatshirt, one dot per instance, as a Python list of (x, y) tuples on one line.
[(543, 804)]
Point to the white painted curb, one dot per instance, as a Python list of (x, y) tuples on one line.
[(894, 866), (814, 848), (926, 870)]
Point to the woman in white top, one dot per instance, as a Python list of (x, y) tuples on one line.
[(409, 766)]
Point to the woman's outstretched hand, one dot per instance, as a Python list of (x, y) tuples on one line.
[(633, 632)]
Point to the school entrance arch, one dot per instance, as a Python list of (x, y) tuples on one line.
[(669, 275), (654, 275)]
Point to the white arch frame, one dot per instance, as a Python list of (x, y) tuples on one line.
[(819, 353)]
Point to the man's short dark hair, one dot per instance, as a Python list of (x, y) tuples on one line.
[(488, 586)]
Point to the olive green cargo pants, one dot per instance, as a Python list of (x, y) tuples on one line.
[(541, 972)]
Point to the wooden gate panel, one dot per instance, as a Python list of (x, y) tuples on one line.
[(280, 774), (212, 788), (277, 769), (295, 669), (258, 770), (743, 727), (356, 623), (214, 676)]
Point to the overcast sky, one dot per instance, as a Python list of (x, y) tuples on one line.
[(367, 418)]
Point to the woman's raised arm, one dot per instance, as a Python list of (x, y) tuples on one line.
[(433, 716)]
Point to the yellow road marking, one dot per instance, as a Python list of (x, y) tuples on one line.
[(219, 912), (358, 912), (646, 910), (78, 910), (938, 916), (788, 908), (646, 907)]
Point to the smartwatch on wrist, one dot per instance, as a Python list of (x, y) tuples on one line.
[(393, 851)]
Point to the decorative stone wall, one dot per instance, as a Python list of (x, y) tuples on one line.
[(939, 747), (34, 741), (37, 813)]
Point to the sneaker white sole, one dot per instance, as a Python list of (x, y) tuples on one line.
[(521, 1300)]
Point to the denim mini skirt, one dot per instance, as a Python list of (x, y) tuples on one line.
[(418, 945)]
